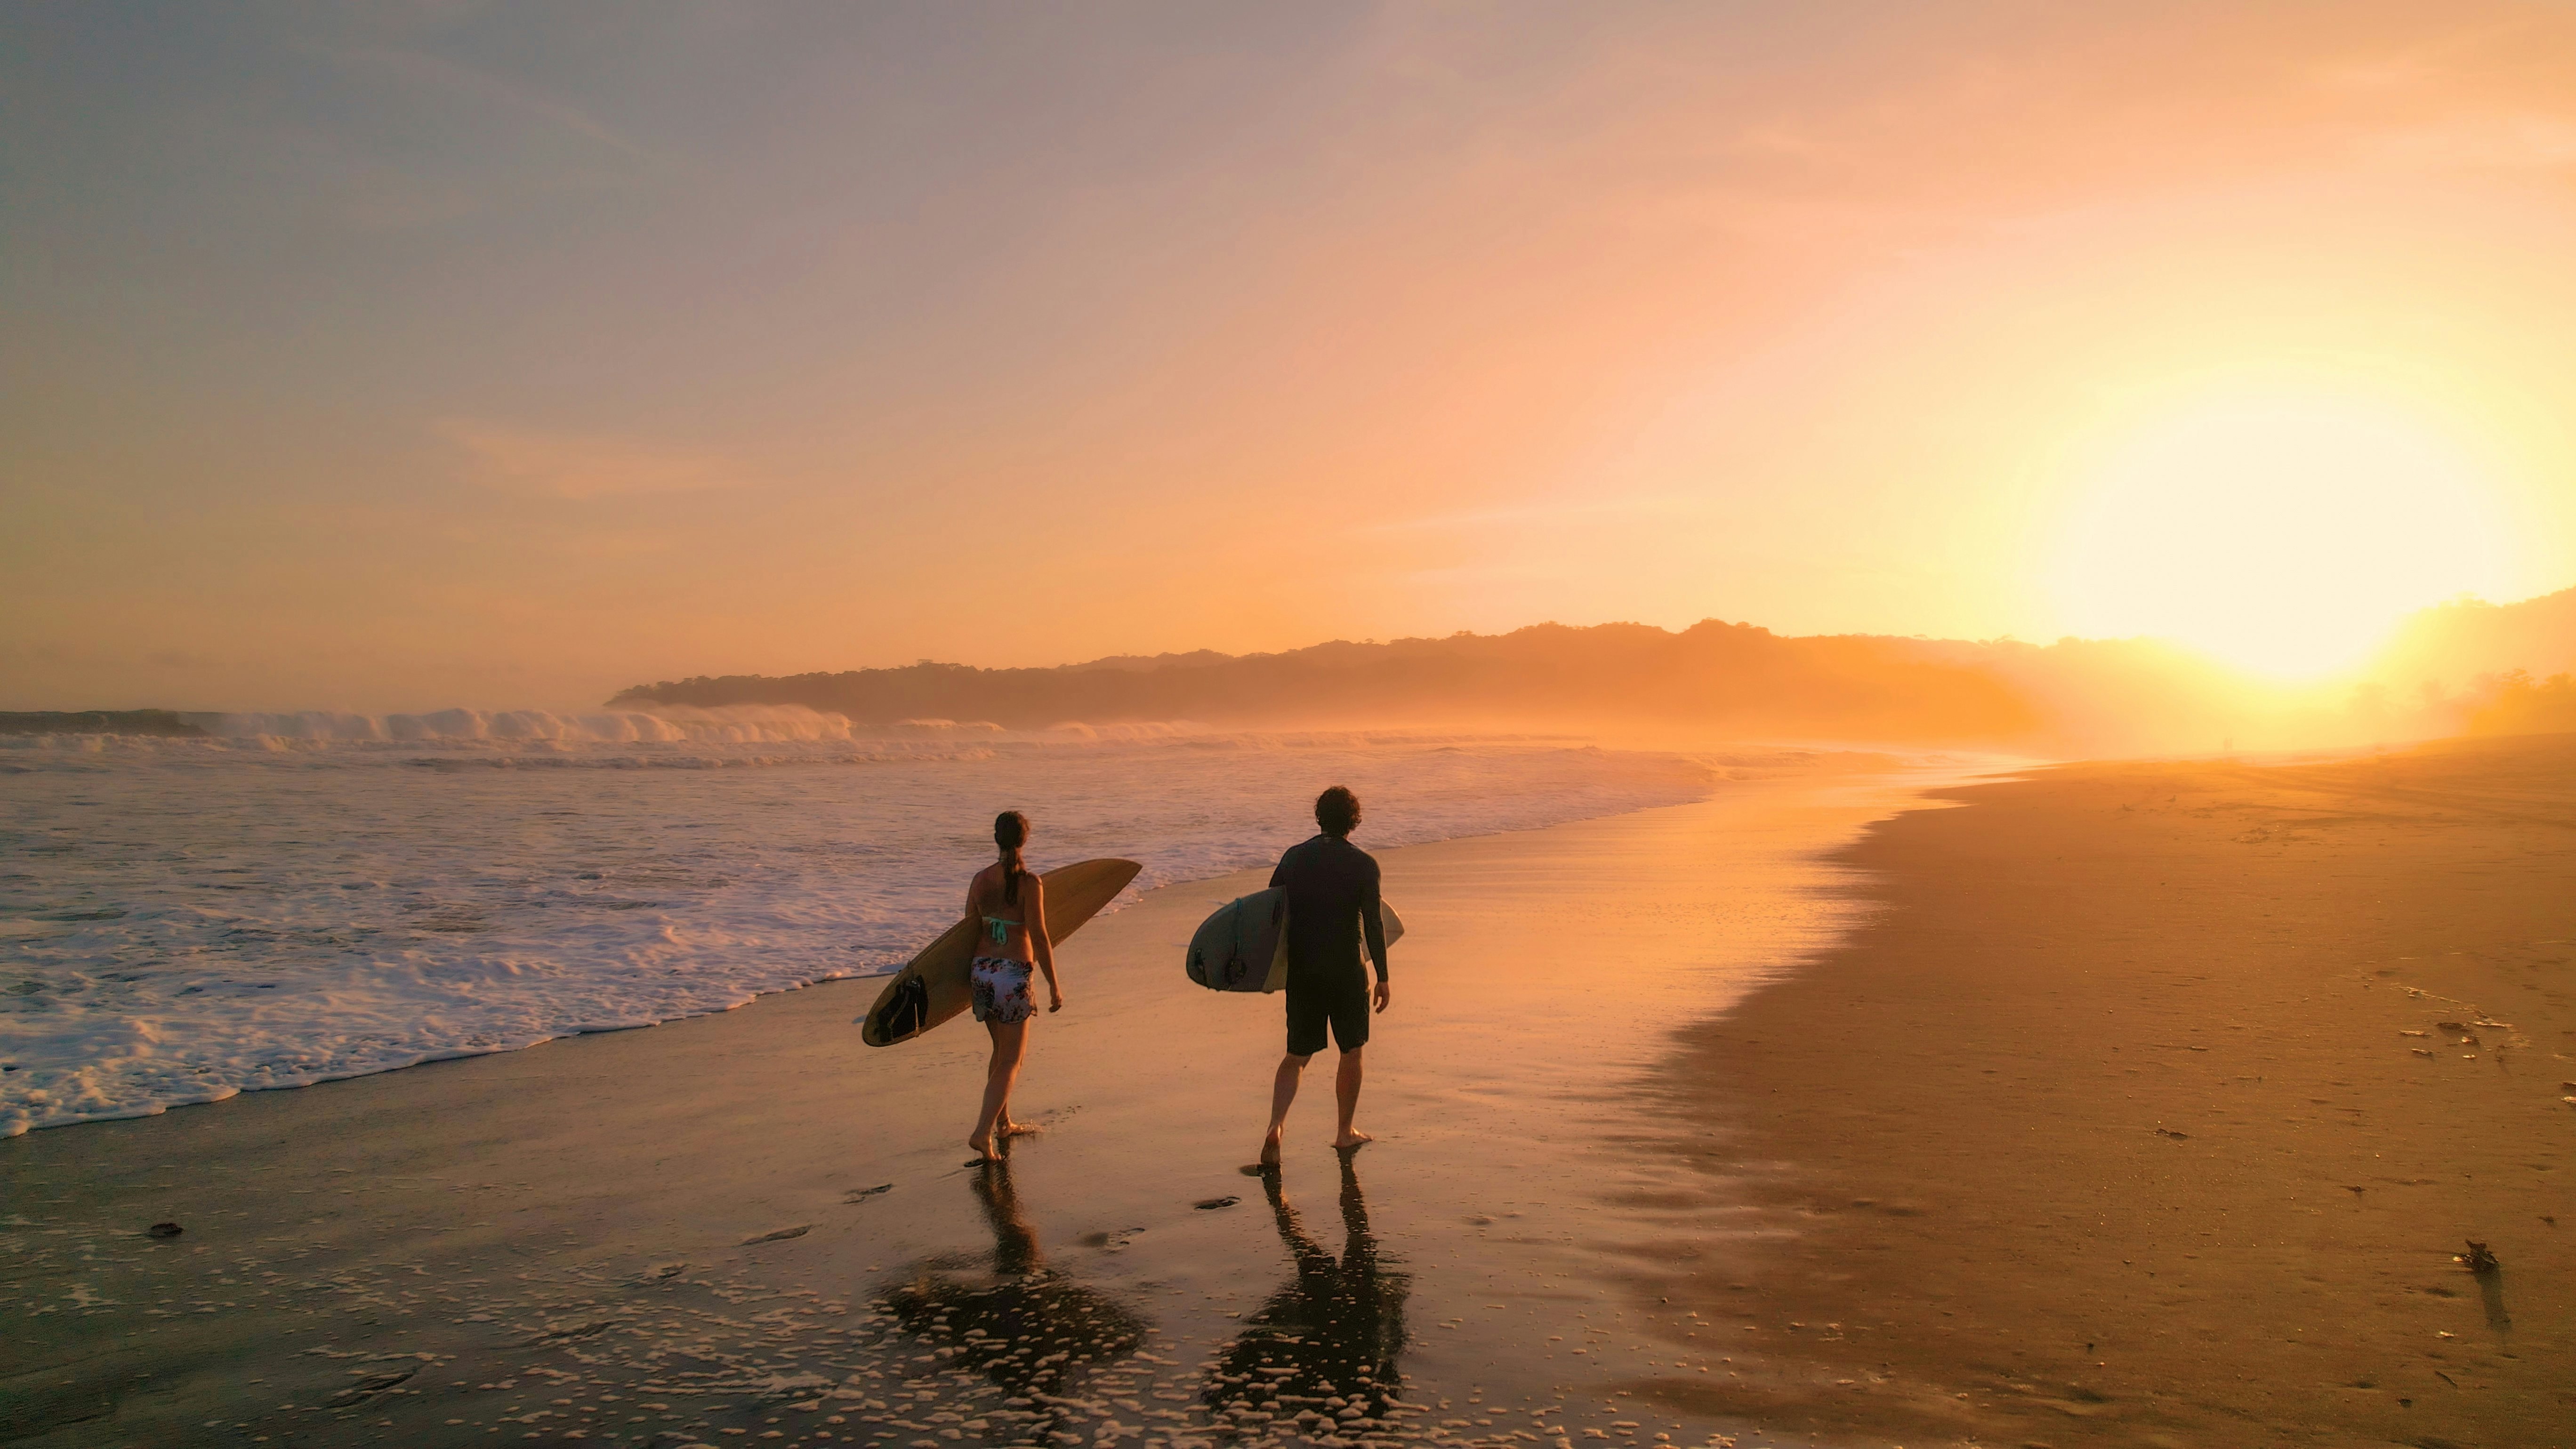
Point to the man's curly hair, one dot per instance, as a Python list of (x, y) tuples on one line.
[(1337, 810)]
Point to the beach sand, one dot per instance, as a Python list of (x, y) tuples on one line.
[(2154, 1110), (2079, 1112)]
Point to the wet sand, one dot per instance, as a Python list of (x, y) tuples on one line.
[(751, 1226), (2154, 1110), (2082, 1111)]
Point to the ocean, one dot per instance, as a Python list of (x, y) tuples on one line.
[(299, 898)]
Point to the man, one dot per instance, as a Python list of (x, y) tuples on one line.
[(1332, 903)]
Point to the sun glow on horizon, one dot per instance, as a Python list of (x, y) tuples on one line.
[(2283, 533)]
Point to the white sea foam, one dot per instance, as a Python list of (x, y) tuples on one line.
[(311, 896), (738, 725)]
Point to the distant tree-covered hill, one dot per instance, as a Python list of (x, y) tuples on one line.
[(1713, 677), (2450, 671), (2451, 644)]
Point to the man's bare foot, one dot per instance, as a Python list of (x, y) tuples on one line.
[(1351, 1138), (1270, 1150)]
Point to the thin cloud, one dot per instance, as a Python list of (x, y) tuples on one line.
[(500, 142), (1523, 515), (586, 466), (2527, 141), (434, 79)]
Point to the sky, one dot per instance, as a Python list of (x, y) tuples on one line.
[(405, 356)]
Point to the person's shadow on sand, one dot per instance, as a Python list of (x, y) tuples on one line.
[(1019, 1322), (1328, 1341)]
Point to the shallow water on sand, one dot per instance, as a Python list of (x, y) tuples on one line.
[(787, 1247)]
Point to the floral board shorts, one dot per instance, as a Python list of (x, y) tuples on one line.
[(1002, 990)]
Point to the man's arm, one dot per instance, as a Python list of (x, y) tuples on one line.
[(1372, 923)]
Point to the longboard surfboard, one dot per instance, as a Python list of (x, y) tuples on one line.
[(1074, 894), (1244, 946)]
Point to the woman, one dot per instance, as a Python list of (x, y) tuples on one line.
[(1001, 903)]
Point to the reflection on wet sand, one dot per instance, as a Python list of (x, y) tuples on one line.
[(1321, 1353), (1019, 1322)]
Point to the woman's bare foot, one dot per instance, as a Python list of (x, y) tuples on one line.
[(982, 1148), (1270, 1150), (1016, 1129), (1350, 1138)]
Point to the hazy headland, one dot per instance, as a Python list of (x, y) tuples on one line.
[(2463, 668), (2459, 668)]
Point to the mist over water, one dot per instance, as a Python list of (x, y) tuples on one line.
[(303, 897), (522, 729)]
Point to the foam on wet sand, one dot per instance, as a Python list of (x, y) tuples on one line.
[(517, 1217), (186, 919)]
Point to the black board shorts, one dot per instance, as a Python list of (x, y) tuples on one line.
[(1337, 996)]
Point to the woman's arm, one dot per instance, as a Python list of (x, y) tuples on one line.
[(1039, 946)]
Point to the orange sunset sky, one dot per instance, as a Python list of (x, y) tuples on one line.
[(409, 356)]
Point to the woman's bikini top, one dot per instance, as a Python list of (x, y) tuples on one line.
[(999, 928)]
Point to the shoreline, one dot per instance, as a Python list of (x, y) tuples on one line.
[(591, 1208), (274, 957)]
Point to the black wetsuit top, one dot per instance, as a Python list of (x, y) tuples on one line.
[(1332, 900)]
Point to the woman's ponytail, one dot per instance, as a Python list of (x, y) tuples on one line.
[(1010, 832)]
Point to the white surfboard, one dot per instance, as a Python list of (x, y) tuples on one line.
[(1244, 946)]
